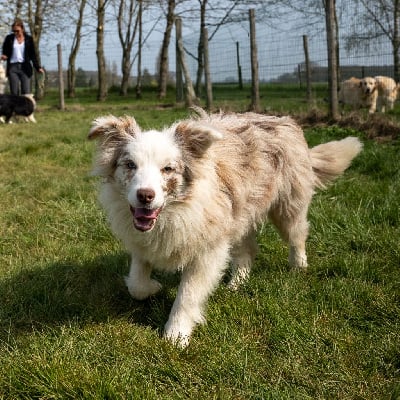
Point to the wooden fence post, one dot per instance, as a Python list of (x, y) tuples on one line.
[(60, 77), (308, 67), (207, 74), (239, 67), (178, 72), (255, 90)]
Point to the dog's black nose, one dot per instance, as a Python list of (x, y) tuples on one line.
[(145, 196)]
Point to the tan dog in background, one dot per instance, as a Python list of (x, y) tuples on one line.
[(387, 92), (359, 93)]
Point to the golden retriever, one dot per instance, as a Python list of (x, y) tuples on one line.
[(359, 93), (387, 92)]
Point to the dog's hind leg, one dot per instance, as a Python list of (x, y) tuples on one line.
[(31, 118), (197, 283), (8, 119), (243, 255), (293, 228)]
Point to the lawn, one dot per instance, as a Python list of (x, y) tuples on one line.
[(69, 329)]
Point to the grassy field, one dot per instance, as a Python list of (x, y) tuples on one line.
[(69, 330)]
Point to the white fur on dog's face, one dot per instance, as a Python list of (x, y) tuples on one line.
[(149, 171), (368, 85)]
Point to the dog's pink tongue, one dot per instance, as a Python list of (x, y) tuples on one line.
[(144, 218), (145, 213)]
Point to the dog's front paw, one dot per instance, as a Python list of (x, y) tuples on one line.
[(178, 329), (239, 277), (297, 258), (143, 290), (176, 336)]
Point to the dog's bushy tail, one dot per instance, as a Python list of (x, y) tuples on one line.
[(329, 160)]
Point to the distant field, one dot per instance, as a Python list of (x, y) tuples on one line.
[(228, 96), (69, 330)]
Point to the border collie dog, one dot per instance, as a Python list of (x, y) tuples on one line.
[(14, 106)]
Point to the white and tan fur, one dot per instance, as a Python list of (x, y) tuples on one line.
[(191, 196), (387, 92), (359, 93)]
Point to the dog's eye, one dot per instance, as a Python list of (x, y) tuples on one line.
[(130, 165), (168, 169)]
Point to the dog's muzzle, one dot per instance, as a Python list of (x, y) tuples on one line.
[(144, 219)]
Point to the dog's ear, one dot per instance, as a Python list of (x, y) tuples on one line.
[(112, 133), (111, 130), (196, 136)]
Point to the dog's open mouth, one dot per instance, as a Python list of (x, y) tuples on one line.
[(144, 218)]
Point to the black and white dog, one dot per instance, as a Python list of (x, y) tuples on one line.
[(12, 105)]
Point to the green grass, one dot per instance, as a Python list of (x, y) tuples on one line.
[(69, 330)]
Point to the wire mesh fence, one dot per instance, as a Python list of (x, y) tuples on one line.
[(281, 56)]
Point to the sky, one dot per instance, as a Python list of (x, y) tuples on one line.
[(279, 52)]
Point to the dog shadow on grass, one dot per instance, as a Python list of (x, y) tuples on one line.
[(92, 291)]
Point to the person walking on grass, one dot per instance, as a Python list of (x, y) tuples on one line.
[(19, 53)]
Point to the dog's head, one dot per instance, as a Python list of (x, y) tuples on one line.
[(151, 169), (368, 85)]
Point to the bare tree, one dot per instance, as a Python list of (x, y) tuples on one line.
[(190, 96), (102, 90), (35, 21), (200, 46), (71, 75), (331, 33), (213, 15), (140, 43), (379, 18), (163, 72), (127, 21), (40, 14)]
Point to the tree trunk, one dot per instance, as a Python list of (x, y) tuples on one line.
[(178, 72), (101, 62), (139, 64), (126, 72), (255, 90), (190, 95), (35, 21), (331, 33), (200, 48), (127, 28), (71, 74), (163, 74)]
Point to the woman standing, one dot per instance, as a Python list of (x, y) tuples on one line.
[(19, 52)]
